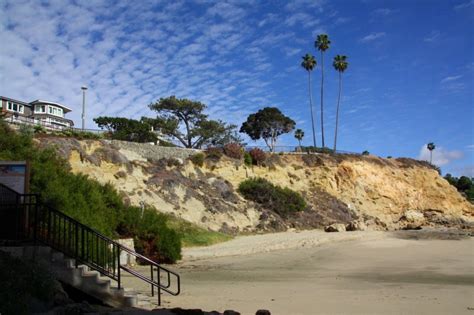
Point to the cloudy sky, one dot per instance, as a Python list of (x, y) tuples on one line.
[(409, 81)]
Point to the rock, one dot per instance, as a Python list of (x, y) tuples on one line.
[(412, 226), (230, 312), (413, 216), (356, 226), (60, 297), (336, 227), (263, 312)]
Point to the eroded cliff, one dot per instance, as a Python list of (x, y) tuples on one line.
[(380, 193)]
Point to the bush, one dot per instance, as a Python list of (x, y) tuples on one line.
[(312, 149), (197, 159), (258, 156), (283, 201), (214, 153), (365, 152), (91, 203), (234, 150), (248, 159), (153, 238)]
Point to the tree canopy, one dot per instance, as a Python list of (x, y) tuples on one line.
[(127, 129), (185, 121), (267, 124)]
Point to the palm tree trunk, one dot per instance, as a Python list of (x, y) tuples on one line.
[(431, 156), (337, 110), (311, 107), (322, 92)]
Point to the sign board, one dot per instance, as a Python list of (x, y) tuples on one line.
[(15, 174)]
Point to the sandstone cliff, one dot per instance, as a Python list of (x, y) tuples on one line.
[(381, 193)]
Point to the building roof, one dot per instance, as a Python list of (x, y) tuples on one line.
[(13, 100), (66, 109)]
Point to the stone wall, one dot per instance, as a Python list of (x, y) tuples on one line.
[(154, 152)]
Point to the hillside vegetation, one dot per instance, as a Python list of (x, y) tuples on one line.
[(96, 204), (380, 193)]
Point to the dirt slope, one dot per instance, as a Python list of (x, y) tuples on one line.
[(382, 193)]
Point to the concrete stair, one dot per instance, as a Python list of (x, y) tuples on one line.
[(83, 278)]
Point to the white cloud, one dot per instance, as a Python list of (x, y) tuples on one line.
[(451, 78), (372, 37), (127, 65), (464, 5), (441, 156), (433, 36)]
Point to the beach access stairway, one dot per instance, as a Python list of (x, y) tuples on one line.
[(76, 254)]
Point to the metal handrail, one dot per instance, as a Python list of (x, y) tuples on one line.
[(84, 244)]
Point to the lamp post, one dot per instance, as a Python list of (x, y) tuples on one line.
[(83, 88)]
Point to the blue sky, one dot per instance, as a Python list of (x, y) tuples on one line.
[(409, 80)]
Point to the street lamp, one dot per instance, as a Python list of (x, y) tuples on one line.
[(83, 88)]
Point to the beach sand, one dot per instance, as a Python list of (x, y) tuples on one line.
[(314, 272)]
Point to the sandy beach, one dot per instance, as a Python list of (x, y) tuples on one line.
[(313, 272)]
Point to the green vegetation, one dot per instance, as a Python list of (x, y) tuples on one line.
[(248, 159), (127, 129), (198, 159), (322, 43), (431, 146), (268, 124), (21, 281), (365, 152), (311, 149), (309, 63), (283, 201), (214, 153), (93, 204), (175, 115), (340, 64), (463, 184), (299, 134), (193, 235)]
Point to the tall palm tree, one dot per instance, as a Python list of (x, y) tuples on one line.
[(431, 146), (340, 64), (322, 44), (308, 64), (299, 134)]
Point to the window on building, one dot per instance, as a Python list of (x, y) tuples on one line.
[(14, 107), (40, 109)]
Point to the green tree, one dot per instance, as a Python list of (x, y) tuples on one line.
[(185, 121), (126, 129), (431, 146), (267, 124), (322, 44), (308, 64), (340, 64), (299, 134)]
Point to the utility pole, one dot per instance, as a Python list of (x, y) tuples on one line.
[(83, 88)]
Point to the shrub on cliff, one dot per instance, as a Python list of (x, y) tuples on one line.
[(248, 159), (198, 159), (214, 153), (283, 201), (234, 150), (91, 203), (258, 156)]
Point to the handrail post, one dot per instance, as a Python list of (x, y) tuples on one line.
[(152, 286), (159, 286), (77, 245), (118, 266)]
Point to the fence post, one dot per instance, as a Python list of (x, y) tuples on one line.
[(77, 244)]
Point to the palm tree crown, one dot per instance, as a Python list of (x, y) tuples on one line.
[(322, 42), (308, 62), (340, 63), (299, 134), (430, 146)]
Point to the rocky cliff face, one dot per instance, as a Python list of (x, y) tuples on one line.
[(379, 193)]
